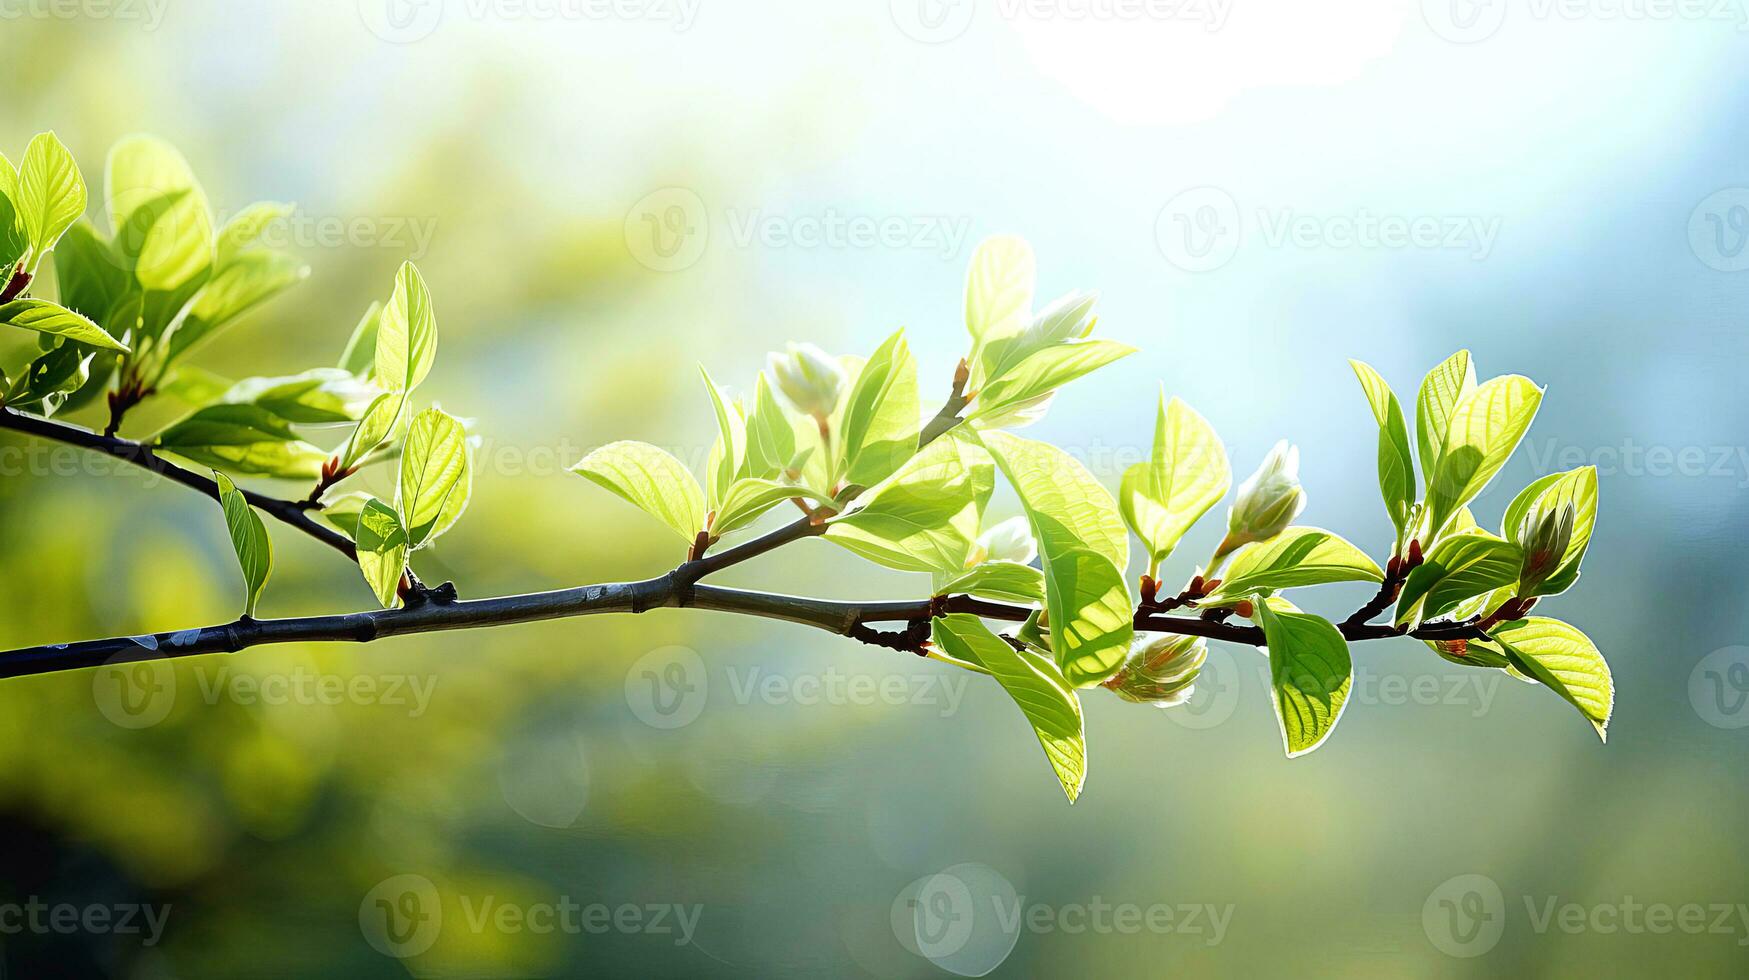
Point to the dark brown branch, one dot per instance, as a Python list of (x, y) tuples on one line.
[(287, 512)]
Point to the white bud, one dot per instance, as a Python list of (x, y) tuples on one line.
[(1068, 318), (809, 377), (1010, 540), (1269, 499), (1161, 669)]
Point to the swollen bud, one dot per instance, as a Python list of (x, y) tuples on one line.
[(1161, 670), (809, 377), (1544, 544), (1269, 499), (1010, 540)]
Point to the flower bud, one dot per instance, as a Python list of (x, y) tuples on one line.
[(1068, 318), (1010, 540), (809, 377), (1545, 545), (1269, 499), (1161, 670)]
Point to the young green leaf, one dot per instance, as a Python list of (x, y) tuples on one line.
[(250, 280), (360, 356), (382, 550), (1004, 581), (159, 216), (88, 278), (1551, 493), (375, 426), (243, 439), (881, 416), (406, 333), (57, 321), (47, 381), (750, 498), (650, 479), (1043, 695), (999, 291), (244, 230), (924, 517), (1298, 556), (319, 396), (249, 539), (1310, 673), (343, 511), (729, 456), (1484, 429), (1042, 373), (51, 192), (1396, 462), (1565, 661), (1084, 550), (1460, 567), (1441, 390), (434, 467), (1188, 474), (771, 436)]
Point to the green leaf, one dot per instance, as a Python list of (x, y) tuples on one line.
[(1004, 581), (318, 396), (1064, 502), (748, 499), (1084, 550), (1551, 493), (159, 214), (881, 419), (1441, 390), (771, 436), (1396, 462), (1565, 661), (1044, 696), (1164, 497), (999, 291), (729, 455), (434, 466), (382, 550), (248, 539), (1310, 673), (47, 381), (88, 277), (1043, 372), (1485, 428), (374, 427), (1460, 567), (57, 321), (250, 280), (244, 230), (1298, 556), (361, 349), (51, 192), (343, 511), (406, 333), (650, 479), (243, 439), (924, 518), (14, 241)]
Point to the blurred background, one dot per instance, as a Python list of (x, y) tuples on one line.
[(603, 194)]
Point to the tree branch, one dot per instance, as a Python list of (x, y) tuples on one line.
[(287, 512)]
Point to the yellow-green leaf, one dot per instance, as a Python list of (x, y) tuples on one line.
[(51, 192), (406, 333), (652, 480), (1296, 557), (1396, 462), (382, 550), (1163, 498), (248, 539), (881, 416), (434, 465), (1441, 390), (57, 321), (924, 518), (1484, 429), (1564, 660), (1310, 675)]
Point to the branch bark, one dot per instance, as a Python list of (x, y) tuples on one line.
[(287, 512)]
